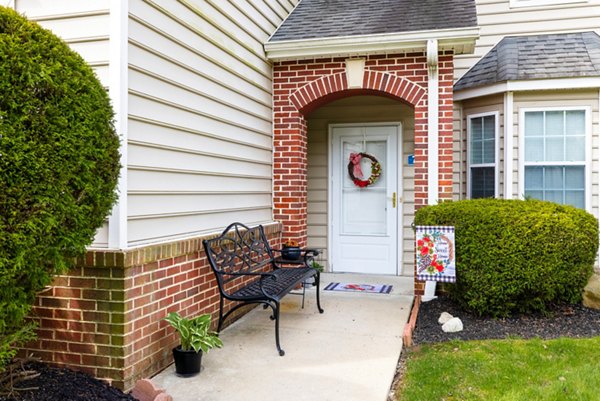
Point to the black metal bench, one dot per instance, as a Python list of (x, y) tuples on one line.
[(248, 273)]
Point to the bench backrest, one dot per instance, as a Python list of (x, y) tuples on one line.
[(239, 249)]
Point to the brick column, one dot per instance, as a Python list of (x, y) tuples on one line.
[(289, 174)]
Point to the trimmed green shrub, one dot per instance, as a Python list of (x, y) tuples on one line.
[(517, 256), (59, 165)]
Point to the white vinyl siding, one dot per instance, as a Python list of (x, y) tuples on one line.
[(85, 27), (358, 109), (482, 151), (554, 154), (498, 19), (200, 116)]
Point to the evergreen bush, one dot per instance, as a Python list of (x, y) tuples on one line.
[(517, 256), (59, 165)]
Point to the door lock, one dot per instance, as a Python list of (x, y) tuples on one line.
[(394, 200)]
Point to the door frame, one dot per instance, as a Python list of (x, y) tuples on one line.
[(399, 188)]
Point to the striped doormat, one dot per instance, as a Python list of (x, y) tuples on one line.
[(368, 288)]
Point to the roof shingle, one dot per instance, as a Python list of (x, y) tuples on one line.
[(517, 58), (313, 19)]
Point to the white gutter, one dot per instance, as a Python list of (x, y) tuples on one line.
[(530, 85), (462, 40)]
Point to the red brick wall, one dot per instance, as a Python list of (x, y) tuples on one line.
[(105, 317), (301, 86)]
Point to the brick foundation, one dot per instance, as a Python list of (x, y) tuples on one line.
[(105, 317)]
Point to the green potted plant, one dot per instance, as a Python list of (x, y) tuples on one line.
[(196, 338), (317, 266)]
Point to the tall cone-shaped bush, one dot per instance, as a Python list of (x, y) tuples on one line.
[(59, 165)]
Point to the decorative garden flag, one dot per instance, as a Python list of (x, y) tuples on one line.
[(435, 254)]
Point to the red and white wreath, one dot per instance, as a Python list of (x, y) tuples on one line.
[(355, 170)]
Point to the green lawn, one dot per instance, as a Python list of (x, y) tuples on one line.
[(503, 370)]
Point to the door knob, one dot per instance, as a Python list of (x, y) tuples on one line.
[(394, 200)]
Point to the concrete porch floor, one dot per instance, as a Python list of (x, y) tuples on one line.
[(348, 353)]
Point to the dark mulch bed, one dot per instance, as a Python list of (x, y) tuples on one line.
[(56, 384), (563, 321)]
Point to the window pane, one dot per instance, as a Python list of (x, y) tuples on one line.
[(534, 149), (534, 194), (555, 149), (489, 151), (534, 123), (561, 184), (575, 177), (575, 122), (489, 127), (575, 198), (553, 177), (554, 196), (555, 123), (476, 129), (483, 182), (476, 152), (534, 178), (575, 151)]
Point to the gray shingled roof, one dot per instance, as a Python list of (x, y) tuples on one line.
[(536, 57), (335, 18)]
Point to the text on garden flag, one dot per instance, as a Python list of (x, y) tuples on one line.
[(435, 254)]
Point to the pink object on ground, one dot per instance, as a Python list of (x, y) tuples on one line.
[(144, 390)]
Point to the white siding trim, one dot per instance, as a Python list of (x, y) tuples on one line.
[(117, 222), (462, 40), (508, 145), (496, 150), (588, 150), (537, 3), (533, 85)]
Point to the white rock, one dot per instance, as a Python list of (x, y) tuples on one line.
[(453, 325), (444, 317)]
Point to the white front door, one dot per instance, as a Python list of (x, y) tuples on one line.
[(364, 220)]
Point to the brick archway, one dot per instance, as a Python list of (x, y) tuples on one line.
[(301, 86), (312, 95)]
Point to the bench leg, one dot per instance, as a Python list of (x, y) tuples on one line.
[(275, 307), (318, 282), (220, 315)]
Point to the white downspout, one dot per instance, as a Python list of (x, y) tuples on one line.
[(432, 139), (432, 122), (508, 145)]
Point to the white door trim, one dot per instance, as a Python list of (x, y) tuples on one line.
[(399, 187)]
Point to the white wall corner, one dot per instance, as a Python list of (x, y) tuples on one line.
[(355, 72), (432, 122), (118, 87)]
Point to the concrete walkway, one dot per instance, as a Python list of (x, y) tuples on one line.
[(348, 353)]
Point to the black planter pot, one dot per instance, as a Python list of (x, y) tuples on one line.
[(187, 363), (291, 253)]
